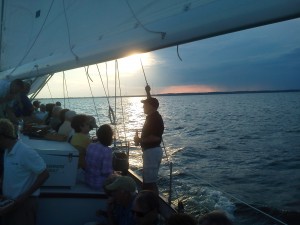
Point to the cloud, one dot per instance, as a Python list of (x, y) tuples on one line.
[(262, 58), (188, 89)]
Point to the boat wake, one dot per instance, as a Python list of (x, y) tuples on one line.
[(286, 217)]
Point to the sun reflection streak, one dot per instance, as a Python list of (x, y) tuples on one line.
[(133, 120)]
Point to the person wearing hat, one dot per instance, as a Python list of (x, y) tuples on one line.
[(122, 191), (145, 208), (150, 140), (24, 172)]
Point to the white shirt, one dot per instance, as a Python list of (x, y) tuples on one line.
[(66, 129), (22, 165)]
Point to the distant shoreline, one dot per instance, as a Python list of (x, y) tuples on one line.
[(197, 93), (230, 92)]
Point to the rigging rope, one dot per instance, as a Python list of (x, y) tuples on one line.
[(241, 201), (144, 72), (115, 124), (102, 84), (89, 78), (68, 96), (107, 79), (163, 34), (178, 53), (68, 30), (122, 108), (111, 114), (66, 89), (50, 92)]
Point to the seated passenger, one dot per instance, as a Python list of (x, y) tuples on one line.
[(92, 122), (80, 140), (145, 208), (93, 125), (55, 119), (98, 159), (41, 114), (49, 109), (123, 192), (62, 117), (214, 218), (36, 105), (66, 128)]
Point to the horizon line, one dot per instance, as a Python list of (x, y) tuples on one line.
[(188, 93)]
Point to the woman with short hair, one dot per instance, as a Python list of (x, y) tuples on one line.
[(80, 140), (98, 158)]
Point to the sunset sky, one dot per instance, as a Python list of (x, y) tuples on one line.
[(264, 58)]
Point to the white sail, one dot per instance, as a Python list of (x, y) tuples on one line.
[(42, 37)]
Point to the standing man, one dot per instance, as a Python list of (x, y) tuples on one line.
[(22, 106), (150, 140), (9, 91), (24, 173)]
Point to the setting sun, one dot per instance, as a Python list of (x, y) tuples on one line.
[(132, 63)]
